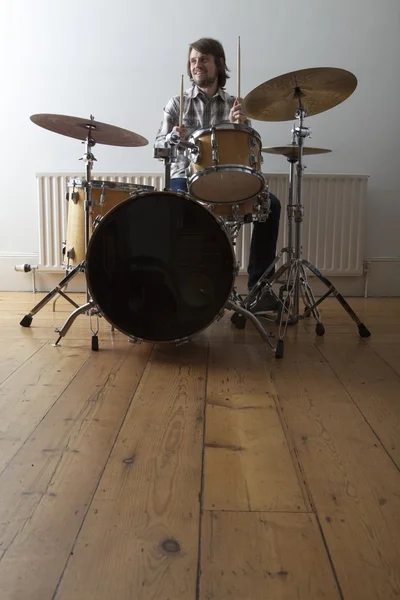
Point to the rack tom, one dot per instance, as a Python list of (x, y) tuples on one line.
[(227, 166)]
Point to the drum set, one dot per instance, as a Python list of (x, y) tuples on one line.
[(160, 266)]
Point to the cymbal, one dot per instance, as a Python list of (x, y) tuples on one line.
[(78, 128), (319, 88), (292, 151)]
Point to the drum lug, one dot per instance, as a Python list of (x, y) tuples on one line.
[(134, 340), (253, 161), (252, 146), (102, 195), (183, 341), (236, 212), (214, 146), (215, 158), (252, 142), (96, 221)]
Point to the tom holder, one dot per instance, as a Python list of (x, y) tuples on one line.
[(169, 153)]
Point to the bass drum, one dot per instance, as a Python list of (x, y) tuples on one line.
[(160, 267)]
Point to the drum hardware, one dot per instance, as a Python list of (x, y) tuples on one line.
[(214, 146), (183, 341), (168, 154), (302, 93), (85, 308), (97, 221), (235, 212), (89, 132)]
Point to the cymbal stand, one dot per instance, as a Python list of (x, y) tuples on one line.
[(294, 270), (89, 158), (89, 307)]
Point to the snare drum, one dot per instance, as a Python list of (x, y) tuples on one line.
[(160, 267), (227, 168), (105, 195)]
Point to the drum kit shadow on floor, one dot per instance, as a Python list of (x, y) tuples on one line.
[(160, 266)]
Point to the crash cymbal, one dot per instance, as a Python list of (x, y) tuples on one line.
[(78, 128), (319, 89), (292, 151)]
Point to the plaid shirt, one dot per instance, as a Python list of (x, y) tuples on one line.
[(199, 111)]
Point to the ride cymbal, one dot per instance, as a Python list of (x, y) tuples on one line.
[(292, 150), (318, 89), (78, 128)]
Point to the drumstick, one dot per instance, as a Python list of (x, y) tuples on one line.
[(238, 68), (181, 104)]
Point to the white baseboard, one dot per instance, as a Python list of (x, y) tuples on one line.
[(383, 279)]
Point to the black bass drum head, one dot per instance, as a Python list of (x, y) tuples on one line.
[(160, 267)]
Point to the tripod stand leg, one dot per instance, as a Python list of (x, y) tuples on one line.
[(254, 320), (27, 320), (310, 302), (65, 328), (362, 329)]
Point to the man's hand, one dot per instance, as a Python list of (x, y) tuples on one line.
[(181, 130), (237, 114)]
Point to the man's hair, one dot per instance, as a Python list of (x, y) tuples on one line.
[(214, 47)]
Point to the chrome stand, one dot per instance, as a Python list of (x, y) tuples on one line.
[(293, 271), (89, 159)]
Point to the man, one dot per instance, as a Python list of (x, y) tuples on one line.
[(204, 104)]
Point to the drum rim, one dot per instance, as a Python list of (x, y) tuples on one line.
[(222, 227), (228, 127), (230, 168), (105, 184)]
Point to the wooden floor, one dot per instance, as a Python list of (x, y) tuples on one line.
[(208, 471)]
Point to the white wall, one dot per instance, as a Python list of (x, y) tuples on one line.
[(130, 63)]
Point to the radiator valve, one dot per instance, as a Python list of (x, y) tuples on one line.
[(27, 269)]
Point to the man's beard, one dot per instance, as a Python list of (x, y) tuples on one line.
[(205, 81)]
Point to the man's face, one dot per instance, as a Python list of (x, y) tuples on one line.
[(202, 68)]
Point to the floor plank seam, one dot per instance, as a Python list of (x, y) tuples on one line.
[(201, 493), (360, 411), (25, 361), (375, 351), (43, 417), (300, 473), (259, 512), (84, 517), (330, 559)]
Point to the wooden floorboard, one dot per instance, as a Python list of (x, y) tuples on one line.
[(354, 484), (46, 490), (372, 384), (248, 465), (208, 471), (140, 538), (256, 556), (29, 393)]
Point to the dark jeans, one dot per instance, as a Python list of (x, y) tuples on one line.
[(263, 240)]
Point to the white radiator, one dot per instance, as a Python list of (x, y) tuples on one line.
[(333, 227)]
